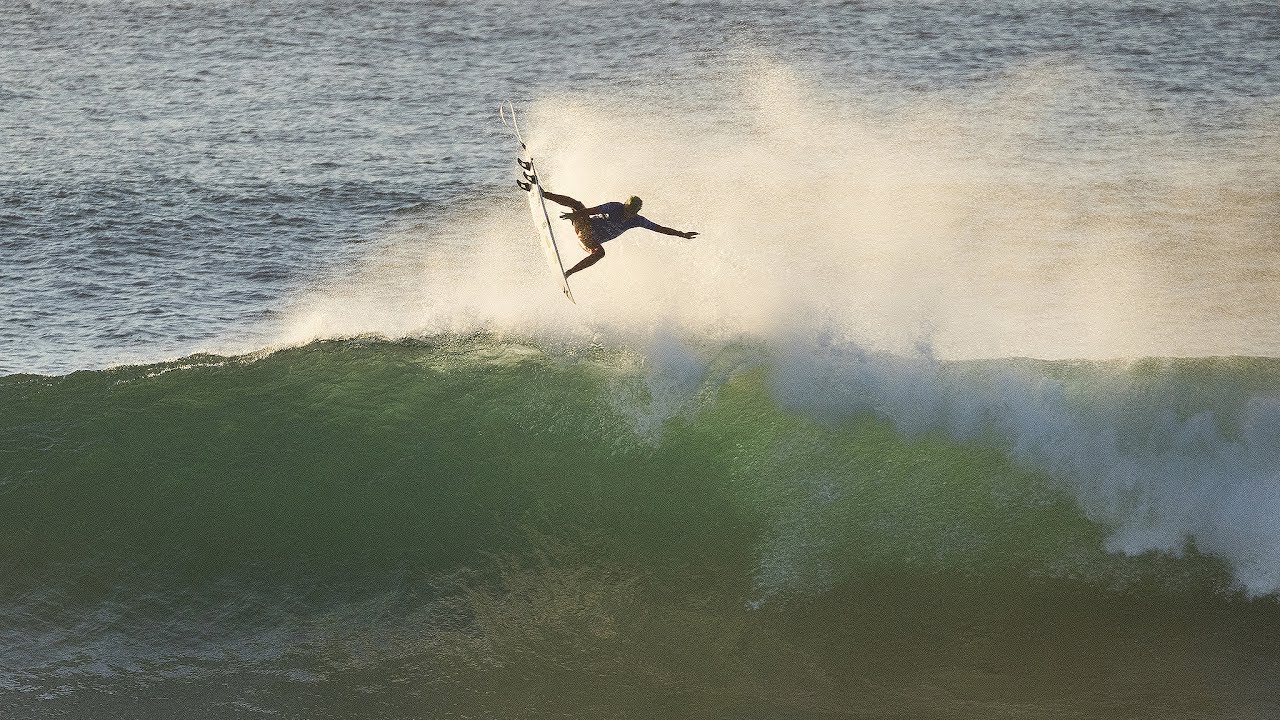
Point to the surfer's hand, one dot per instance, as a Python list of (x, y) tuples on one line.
[(689, 235)]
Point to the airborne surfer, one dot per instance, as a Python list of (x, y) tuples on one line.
[(602, 223)]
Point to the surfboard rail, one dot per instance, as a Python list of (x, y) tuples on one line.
[(529, 182)]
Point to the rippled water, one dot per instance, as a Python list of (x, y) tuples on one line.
[(171, 171)]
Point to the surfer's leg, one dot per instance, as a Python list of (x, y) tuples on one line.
[(564, 200), (597, 253)]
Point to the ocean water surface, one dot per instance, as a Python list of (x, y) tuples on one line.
[(965, 403)]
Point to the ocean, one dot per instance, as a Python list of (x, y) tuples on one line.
[(964, 403)]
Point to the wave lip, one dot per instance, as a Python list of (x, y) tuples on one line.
[(1145, 447)]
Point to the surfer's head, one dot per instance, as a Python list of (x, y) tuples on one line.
[(632, 205)]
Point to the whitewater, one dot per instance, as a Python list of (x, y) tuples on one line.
[(865, 258), (964, 403)]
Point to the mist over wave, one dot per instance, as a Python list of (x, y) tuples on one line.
[(871, 249), (1053, 214)]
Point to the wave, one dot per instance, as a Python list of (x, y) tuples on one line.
[(883, 255), (344, 459), (475, 513)]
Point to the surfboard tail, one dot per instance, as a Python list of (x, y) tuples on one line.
[(507, 111)]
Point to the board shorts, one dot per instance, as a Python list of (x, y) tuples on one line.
[(585, 237)]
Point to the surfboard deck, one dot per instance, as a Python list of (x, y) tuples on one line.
[(530, 183)]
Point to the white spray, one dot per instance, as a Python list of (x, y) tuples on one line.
[(871, 244)]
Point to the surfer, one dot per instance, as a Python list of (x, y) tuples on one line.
[(602, 223)]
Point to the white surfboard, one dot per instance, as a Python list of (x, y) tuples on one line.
[(530, 183)]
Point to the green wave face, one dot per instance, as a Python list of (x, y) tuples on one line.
[(481, 528)]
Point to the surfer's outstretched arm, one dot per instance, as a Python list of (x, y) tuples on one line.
[(671, 231)]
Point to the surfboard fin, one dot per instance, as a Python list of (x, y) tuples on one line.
[(527, 187)]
